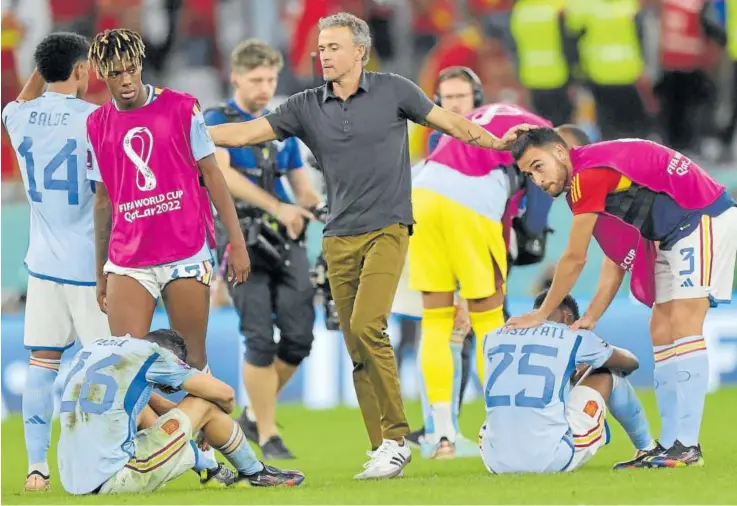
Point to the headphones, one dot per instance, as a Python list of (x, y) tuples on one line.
[(478, 92)]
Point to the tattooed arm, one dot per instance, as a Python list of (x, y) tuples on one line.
[(469, 132), (103, 223)]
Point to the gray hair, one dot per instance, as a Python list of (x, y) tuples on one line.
[(359, 28)]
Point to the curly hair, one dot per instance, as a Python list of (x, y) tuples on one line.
[(121, 44), (58, 53)]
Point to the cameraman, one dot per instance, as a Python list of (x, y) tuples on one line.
[(279, 290)]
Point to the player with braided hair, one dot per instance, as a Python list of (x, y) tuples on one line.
[(152, 213)]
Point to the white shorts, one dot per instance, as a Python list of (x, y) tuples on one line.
[(407, 302), (586, 414), (56, 314), (154, 279), (701, 264), (163, 452)]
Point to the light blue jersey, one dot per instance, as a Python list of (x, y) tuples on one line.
[(49, 135), (527, 381), (108, 385)]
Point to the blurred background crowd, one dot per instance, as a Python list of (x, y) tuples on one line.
[(659, 69)]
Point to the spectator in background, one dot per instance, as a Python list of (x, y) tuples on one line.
[(537, 27), (609, 34), (686, 57), (494, 16), (12, 34), (731, 30), (431, 19), (76, 16)]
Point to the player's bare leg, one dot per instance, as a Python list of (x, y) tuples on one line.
[(219, 476), (187, 303), (224, 433), (130, 307), (436, 362), (44, 366), (263, 385)]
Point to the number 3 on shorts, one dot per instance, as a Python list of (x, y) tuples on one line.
[(688, 256)]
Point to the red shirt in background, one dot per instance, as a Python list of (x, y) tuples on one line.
[(70, 10), (683, 45), (434, 17), (201, 17), (477, 7), (12, 34)]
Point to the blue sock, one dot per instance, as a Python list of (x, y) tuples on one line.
[(666, 392), (692, 385), (456, 350), (38, 410), (427, 418), (625, 407), (239, 453), (205, 460)]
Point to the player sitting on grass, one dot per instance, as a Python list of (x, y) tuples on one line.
[(117, 436), (535, 421)]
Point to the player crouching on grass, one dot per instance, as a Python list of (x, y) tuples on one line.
[(117, 436), (535, 421)]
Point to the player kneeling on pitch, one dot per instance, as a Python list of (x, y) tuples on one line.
[(535, 421), (117, 436)]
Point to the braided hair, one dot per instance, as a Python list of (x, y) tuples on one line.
[(120, 43)]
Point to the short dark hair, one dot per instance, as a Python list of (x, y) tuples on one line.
[(171, 340), (577, 132), (58, 53), (535, 138), (568, 303)]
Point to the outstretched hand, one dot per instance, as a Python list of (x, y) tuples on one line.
[(505, 143), (525, 321)]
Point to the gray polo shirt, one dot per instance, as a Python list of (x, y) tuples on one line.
[(361, 145)]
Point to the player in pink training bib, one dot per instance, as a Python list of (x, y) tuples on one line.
[(658, 215), (151, 156)]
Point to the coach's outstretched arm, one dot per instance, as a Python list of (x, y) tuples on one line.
[(247, 133), (567, 271), (469, 132), (103, 224)]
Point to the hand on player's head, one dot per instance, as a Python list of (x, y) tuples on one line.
[(542, 154), (566, 313)]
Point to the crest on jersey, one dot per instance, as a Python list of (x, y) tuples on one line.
[(591, 408), (138, 144), (170, 426)]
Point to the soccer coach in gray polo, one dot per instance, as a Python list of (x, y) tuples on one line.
[(356, 126)]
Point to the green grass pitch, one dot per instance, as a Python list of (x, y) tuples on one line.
[(331, 446)]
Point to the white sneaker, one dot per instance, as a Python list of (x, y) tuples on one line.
[(387, 461)]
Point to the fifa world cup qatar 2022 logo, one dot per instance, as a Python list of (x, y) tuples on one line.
[(138, 145)]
